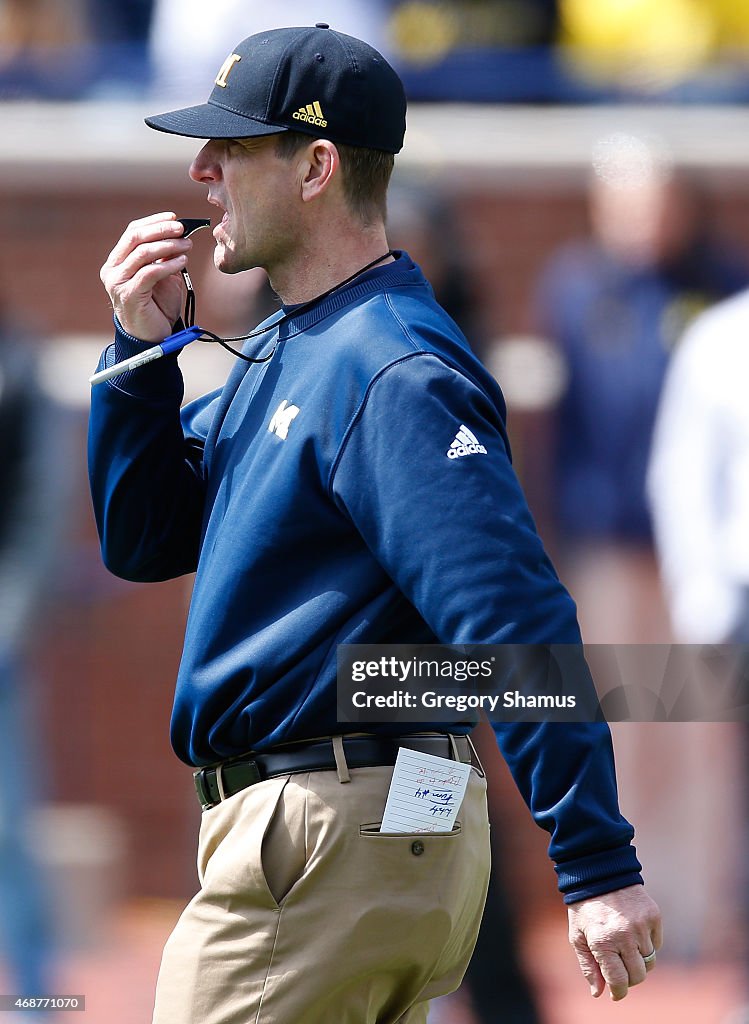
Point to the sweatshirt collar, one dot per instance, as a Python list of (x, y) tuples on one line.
[(402, 271)]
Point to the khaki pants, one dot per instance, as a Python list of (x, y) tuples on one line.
[(307, 914)]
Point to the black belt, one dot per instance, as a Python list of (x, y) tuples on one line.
[(218, 782)]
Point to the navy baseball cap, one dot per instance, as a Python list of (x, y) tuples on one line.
[(310, 80)]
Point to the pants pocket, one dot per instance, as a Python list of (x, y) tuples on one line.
[(252, 846), (414, 851), (372, 830), (283, 851)]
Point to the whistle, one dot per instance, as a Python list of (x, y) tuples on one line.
[(193, 224)]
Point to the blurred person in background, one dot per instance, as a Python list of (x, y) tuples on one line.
[(45, 49), (698, 485), (698, 478), (121, 30), (34, 464), (692, 49), (478, 50), (614, 305)]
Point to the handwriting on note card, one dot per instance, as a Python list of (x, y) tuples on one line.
[(425, 793)]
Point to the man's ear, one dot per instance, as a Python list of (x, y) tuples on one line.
[(321, 165)]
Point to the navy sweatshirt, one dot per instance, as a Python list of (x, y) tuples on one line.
[(334, 495)]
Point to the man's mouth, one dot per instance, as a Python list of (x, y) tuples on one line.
[(221, 226), (215, 202)]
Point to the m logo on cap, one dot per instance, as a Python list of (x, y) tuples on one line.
[(226, 67)]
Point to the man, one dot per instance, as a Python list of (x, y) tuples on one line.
[(315, 496)]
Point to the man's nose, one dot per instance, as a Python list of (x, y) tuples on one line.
[(206, 166)]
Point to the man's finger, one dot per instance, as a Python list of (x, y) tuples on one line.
[(145, 280), (591, 971), (637, 969), (656, 934), (615, 974), (149, 229), (153, 217), (165, 215), (149, 253)]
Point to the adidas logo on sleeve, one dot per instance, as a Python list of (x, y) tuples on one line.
[(465, 443)]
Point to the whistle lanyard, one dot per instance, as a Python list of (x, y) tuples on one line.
[(191, 332), (189, 314)]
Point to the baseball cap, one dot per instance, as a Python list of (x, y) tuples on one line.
[(311, 80)]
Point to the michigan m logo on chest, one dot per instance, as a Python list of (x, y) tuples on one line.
[(281, 419)]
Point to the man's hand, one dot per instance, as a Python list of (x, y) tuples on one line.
[(142, 276), (611, 934)]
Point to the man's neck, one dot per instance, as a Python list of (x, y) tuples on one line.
[(330, 260)]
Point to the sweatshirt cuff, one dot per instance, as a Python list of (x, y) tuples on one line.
[(597, 873), (160, 380)]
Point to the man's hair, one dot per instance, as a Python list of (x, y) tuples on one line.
[(366, 174)]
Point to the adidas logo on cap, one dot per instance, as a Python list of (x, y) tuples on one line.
[(465, 443), (312, 114)]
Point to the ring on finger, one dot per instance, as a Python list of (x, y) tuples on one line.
[(650, 958)]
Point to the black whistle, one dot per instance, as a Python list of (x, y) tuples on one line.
[(192, 224)]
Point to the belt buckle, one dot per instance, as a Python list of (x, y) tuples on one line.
[(202, 789), (250, 767)]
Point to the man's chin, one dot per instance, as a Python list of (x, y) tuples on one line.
[(228, 262), (224, 261)]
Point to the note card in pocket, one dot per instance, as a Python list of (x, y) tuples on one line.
[(425, 793)]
